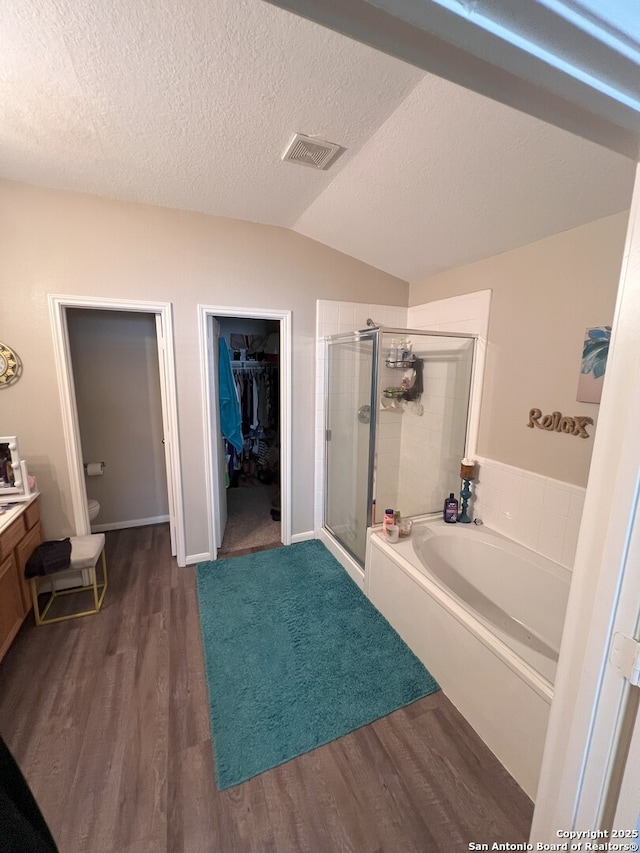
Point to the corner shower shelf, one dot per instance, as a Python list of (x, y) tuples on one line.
[(393, 393), (401, 365)]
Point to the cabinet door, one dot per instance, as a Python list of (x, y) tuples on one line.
[(10, 537), (32, 514), (24, 550), (11, 607)]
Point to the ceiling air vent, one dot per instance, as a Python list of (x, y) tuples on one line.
[(311, 152)]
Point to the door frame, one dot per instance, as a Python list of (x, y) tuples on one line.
[(58, 305), (585, 736), (211, 460)]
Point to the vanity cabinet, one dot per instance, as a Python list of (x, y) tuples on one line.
[(20, 533)]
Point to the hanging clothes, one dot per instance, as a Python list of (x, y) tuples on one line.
[(228, 404), (255, 393), (253, 384), (263, 400), (257, 389)]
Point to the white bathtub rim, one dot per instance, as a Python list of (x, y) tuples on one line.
[(532, 621), (489, 608), (488, 534), (520, 667)]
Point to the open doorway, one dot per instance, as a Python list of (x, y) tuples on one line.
[(156, 363), (246, 358), (252, 471), (116, 374)]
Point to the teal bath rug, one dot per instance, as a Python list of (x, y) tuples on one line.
[(295, 656)]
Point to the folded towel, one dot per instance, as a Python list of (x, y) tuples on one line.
[(229, 406), (49, 557)]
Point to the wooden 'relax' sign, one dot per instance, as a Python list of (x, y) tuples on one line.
[(557, 422)]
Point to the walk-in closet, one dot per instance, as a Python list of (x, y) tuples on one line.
[(251, 468)]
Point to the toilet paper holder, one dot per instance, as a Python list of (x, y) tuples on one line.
[(91, 468)]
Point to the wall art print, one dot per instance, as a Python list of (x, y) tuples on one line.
[(595, 350)]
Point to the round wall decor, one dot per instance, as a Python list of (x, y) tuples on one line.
[(10, 366)]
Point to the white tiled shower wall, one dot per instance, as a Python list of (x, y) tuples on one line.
[(433, 432), (542, 513), (468, 313)]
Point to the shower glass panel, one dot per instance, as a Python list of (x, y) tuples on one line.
[(350, 365), (396, 426), (421, 432)]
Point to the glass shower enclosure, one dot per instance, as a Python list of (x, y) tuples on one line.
[(396, 411)]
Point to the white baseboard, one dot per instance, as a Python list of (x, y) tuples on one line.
[(192, 559), (303, 537), (133, 522)]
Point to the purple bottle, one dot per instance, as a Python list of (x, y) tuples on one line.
[(450, 511)]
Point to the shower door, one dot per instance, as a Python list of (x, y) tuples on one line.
[(350, 416)]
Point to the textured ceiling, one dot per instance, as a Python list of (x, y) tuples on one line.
[(475, 178), (191, 106)]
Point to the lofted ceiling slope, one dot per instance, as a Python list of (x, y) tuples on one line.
[(191, 106)]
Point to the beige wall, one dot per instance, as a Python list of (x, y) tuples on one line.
[(544, 296), (64, 243)]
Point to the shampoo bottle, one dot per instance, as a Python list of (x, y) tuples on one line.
[(393, 352), (450, 511)]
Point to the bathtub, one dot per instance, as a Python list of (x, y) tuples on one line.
[(485, 616)]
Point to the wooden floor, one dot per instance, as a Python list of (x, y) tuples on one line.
[(107, 716)]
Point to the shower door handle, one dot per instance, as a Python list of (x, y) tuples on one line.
[(364, 414)]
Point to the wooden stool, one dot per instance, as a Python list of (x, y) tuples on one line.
[(85, 553)]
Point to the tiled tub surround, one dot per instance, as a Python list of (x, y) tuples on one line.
[(542, 513)]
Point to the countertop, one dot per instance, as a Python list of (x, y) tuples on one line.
[(14, 510)]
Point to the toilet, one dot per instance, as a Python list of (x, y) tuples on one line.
[(94, 508)]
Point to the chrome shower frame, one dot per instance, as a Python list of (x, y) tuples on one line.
[(373, 332)]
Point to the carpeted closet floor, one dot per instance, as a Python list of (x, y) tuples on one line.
[(249, 521)]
